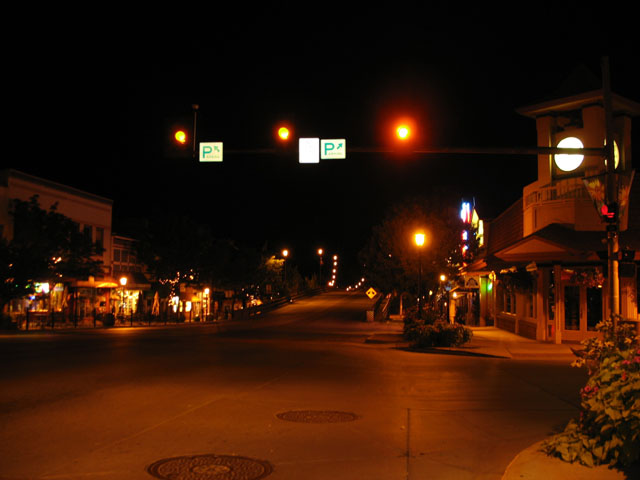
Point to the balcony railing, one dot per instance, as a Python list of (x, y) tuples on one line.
[(567, 189)]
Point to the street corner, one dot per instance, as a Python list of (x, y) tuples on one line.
[(533, 464)]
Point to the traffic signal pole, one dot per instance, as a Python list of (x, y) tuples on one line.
[(613, 228)]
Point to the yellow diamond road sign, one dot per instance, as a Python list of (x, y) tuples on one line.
[(371, 293)]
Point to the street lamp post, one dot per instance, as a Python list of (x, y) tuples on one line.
[(320, 252), (443, 278), (285, 254), (419, 239), (123, 283)]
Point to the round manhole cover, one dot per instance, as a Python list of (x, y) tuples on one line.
[(317, 416), (210, 467)]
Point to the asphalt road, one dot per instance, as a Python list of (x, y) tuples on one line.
[(108, 404)]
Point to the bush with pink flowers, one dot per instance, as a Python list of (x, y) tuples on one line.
[(608, 429)]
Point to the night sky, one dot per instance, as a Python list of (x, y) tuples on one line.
[(100, 107)]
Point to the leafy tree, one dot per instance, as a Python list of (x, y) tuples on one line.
[(46, 245), (174, 248), (178, 250), (391, 258)]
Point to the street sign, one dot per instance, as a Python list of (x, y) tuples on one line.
[(309, 150), (211, 151), (371, 293), (330, 149)]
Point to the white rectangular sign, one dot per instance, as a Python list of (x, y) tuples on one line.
[(333, 149), (309, 150), (211, 152)]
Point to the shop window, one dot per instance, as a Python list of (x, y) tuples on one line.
[(594, 307), (500, 298), (572, 307), (508, 302), (100, 237), (529, 304), (506, 299)]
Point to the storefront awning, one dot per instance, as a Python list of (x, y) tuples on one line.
[(554, 243), (135, 281)]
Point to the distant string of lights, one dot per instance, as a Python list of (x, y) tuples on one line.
[(334, 271)]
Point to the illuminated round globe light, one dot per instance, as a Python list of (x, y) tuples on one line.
[(616, 154), (565, 161)]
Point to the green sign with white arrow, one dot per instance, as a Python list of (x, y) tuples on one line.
[(330, 149)]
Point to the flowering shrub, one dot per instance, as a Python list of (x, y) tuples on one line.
[(432, 331), (608, 429)]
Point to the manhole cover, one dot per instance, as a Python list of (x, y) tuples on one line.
[(210, 467), (317, 416)]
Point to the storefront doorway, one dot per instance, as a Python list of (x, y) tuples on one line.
[(583, 310)]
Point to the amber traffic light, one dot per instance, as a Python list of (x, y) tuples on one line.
[(180, 136), (403, 132)]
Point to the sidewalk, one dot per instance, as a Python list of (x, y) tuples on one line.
[(531, 463), (486, 341)]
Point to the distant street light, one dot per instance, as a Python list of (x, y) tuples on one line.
[(419, 239)]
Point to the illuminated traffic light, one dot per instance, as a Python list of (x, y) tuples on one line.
[(284, 133), (609, 212), (178, 138), (403, 132)]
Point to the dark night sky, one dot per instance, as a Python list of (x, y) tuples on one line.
[(333, 73)]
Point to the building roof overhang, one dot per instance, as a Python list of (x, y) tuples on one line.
[(620, 105)]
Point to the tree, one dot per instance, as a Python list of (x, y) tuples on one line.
[(391, 257), (174, 248), (46, 246)]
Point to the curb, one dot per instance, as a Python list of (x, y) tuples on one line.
[(533, 464)]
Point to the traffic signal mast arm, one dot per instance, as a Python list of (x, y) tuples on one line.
[(595, 152)]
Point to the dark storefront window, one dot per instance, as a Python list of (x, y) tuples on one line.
[(572, 307), (594, 307)]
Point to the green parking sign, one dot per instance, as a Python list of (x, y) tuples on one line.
[(211, 152), (330, 149)]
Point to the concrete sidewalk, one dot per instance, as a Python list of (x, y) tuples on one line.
[(531, 463)]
